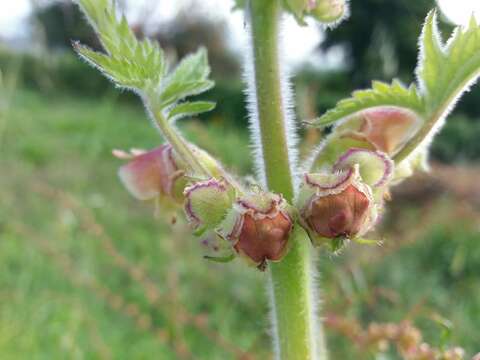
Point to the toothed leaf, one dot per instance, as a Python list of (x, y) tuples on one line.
[(381, 94), (445, 71), (180, 90), (128, 61), (140, 64)]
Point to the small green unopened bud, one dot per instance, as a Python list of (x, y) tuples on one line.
[(207, 203), (258, 227), (328, 11)]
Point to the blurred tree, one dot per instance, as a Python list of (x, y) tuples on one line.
[(380, 39), (62, 22), (187, 32)]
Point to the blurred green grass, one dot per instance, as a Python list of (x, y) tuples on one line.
[(87, 272)]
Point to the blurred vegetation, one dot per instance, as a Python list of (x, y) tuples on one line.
[(88, 272)]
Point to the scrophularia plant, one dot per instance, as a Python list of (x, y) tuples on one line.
[(379, 137)]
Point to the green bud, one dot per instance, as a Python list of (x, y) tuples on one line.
[(207, 203), (328, 11)]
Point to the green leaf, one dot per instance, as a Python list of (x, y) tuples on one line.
[(180, 90), (338, 243), (194, 67), (117, 69), (445, 71), (140, 64), (381, 94), (190, 77), (190, 109), (128, 61)]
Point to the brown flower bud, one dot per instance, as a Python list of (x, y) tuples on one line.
[(337, 205), (258, 226)]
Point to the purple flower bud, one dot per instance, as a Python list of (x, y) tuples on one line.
[(376, 168), (386, 128), (258, 228), (152, 174), (336, 205)]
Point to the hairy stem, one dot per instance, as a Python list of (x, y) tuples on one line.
[(177, 142), (295, 326)]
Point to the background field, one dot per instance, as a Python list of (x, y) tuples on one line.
[(87, 272)]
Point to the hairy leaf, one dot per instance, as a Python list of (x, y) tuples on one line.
[(140, 64), (446, 71), (128, 61), (381, 94)]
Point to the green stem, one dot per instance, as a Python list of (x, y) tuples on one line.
[(296, 329), (417, 140), (177, 142)]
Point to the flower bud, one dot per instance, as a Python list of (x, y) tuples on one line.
[(328, 11), (376, 168), (387, 128), (297, 8), (336, 205), (258, 227), (207, 203), (155, 173)]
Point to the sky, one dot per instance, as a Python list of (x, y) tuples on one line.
[(14, 14)]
